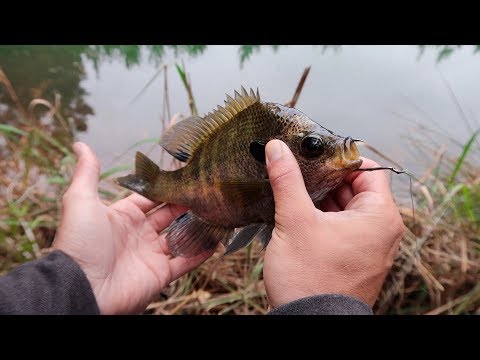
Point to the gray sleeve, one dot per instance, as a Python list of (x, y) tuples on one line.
[(53, 285), (329, 304)]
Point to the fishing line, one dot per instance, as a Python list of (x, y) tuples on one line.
[(396, 171)]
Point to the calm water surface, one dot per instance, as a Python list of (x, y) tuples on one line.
[(370, 92)]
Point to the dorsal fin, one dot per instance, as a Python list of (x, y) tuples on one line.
[(183, 138)]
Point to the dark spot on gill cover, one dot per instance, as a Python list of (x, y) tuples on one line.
[(257, 150)]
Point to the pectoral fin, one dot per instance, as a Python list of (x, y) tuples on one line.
[(189, 236), (244, 192)]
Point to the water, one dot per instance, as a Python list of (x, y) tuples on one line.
[(367, 92)]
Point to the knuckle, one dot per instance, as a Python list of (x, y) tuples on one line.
[(295, 223), (282, 176)]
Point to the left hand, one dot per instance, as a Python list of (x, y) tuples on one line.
[(118, 247)]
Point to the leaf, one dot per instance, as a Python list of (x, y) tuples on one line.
[(444, 53), (246, 51)]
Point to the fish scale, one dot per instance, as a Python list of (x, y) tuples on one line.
[(225, 183)]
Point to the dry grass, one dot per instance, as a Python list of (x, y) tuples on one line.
[(436, 271)]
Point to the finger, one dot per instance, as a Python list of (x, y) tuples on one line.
[(376, 181), (291, 196), (179, 266), (329, 204), (344, 194), (164, 216), (85, 177), (141, 202)]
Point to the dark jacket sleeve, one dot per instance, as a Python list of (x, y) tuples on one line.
[(54, 285), (329, 304)]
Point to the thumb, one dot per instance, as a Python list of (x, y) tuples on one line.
[(85, 178), (292, 201)]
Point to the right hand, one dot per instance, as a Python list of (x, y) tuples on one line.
[(348, 248)]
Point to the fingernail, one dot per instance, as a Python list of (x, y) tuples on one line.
[(274, 151)]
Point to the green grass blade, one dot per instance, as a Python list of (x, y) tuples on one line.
[(141, 142), (57, 180), (468, 204), (461, 159), (182, 75), (114, 170), (138, 143), (188, 88), (9, 129), (53, 142), (255, 275)]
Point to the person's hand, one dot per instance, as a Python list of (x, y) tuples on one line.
[(118, 246), (348, 248)]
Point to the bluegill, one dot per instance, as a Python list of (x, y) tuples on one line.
[(225, 182)]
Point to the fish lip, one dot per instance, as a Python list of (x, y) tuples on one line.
[(341, 164), (355, 164), (346, 155)]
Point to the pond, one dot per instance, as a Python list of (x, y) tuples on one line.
[(376, 93)]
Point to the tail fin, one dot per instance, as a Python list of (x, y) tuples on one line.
[(146, 173)]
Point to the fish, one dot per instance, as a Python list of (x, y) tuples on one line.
[(224, 181)]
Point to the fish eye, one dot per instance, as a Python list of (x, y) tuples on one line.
[(312, 146)]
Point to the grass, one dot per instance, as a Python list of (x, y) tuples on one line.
[(437, 270)]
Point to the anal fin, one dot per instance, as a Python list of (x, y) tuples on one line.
[(261, 232), (189, 236)]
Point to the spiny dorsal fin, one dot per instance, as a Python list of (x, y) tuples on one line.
[(183, 138)]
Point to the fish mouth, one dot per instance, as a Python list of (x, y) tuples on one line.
[(347, 155)]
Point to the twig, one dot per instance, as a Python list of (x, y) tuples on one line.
[(147, 85), (457, 103), (165, 91), (435, 163), (191, 100), (294, 100), (445, 307), (13, 95), (379, 153)]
